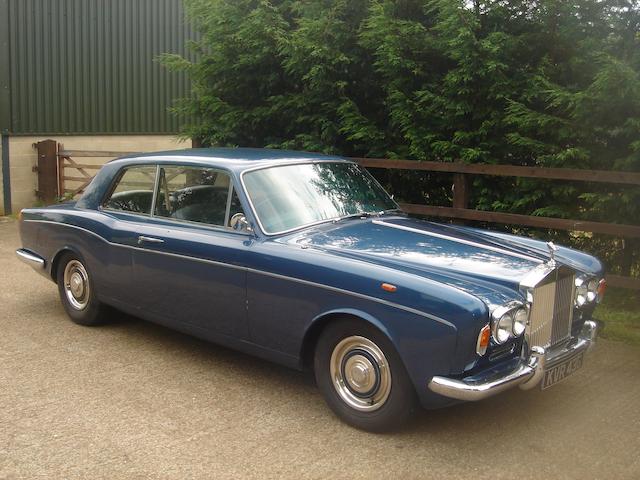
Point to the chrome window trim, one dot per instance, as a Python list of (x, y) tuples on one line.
[(261, 272), (156, 186), (228, 209), (286, 164), (136, 214), (177, 222)]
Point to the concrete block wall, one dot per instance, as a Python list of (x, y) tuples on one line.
[(23, 157), (1, 190)]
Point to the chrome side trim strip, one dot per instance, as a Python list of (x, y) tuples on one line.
[(262, 272), (30, 259), (457, 240), (355, 294), (168, 220)]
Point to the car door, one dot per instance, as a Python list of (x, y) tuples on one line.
[(188, 264), (127, 205)]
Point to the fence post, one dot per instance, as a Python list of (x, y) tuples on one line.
[(460, 193), (460, 190), (47, 169)]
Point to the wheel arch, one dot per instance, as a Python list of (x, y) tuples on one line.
[(319, 323), (55, 263)]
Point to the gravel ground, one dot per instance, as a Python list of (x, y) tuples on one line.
[(135, 400)]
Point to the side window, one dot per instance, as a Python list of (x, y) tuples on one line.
[(193, 194), (133, 191)]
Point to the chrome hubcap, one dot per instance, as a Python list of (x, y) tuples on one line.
[(360, 373), (76, 285)]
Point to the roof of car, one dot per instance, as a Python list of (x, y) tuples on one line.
[(234, 155)]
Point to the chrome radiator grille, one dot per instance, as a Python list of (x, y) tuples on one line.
[(551, 309), (563, 311)]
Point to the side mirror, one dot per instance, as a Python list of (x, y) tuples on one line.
[(240, 224)]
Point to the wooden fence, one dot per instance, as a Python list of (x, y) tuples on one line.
[(80, 174)]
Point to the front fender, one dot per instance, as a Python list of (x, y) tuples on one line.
[(426, 347)]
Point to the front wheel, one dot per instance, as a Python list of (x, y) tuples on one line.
[(77, 292), (362, 378)]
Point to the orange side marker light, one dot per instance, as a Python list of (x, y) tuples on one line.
[(387, 287)]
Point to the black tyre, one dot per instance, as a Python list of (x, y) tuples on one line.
[(77, 292), (362, 377)]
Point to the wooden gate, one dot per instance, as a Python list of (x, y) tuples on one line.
[(61, 175)]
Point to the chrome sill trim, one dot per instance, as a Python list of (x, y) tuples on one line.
[(527, 374), (30, 259)]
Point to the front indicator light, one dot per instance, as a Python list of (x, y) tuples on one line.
[(483, 340), (602, 288)]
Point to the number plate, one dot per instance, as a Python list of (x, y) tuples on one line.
[(559, 372)]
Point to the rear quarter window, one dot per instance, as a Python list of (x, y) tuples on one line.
[(133, 190)]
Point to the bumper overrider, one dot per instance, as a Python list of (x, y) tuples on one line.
[(525, 373)]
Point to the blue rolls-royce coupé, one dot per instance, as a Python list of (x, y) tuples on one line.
[(305, 260)]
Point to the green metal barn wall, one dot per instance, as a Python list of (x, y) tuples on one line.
[(87, 66)]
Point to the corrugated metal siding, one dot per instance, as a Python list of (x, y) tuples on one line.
[(87, 66)]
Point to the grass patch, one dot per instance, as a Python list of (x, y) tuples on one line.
[(620, 313)]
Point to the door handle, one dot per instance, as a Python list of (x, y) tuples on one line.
[(142, 239)]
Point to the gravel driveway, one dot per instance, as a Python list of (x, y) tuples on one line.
[(135, 400)]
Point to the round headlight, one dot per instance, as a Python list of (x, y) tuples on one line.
[(501, 328), (592, 290), (520, 318), (582, 290)]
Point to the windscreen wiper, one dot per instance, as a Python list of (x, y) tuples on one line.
[(360, 215)]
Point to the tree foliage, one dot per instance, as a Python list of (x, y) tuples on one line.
[(524, 82)]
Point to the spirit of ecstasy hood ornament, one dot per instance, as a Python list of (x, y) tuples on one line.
[(552, 252)]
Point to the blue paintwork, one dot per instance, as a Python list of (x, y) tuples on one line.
[(265, 294)]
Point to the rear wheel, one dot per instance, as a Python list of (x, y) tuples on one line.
[(77, 292), (362, 378)]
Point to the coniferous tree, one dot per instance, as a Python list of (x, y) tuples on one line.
[(523, 82)]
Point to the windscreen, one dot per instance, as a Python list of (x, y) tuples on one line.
[(291, 196)]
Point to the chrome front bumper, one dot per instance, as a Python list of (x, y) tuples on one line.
[(526, 374)]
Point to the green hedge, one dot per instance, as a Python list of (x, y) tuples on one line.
[(549, 83)]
